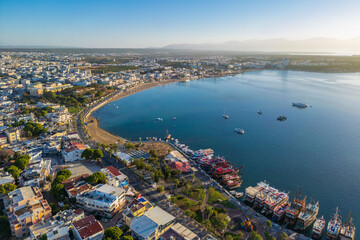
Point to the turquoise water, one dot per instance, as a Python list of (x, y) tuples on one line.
[(316, 150)]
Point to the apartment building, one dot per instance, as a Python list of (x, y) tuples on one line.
[(105, 199), (25, 206)]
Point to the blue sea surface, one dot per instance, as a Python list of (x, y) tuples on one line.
[(316, 150)]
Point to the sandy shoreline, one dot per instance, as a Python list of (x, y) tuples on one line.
[(100, 135)]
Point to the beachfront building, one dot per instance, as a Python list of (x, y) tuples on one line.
[(152, 224), (105, 199), (73, 151), (135, 209), (114, 177), (87, 229), (25, 206)]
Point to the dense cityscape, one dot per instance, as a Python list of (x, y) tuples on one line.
[(58, 181)]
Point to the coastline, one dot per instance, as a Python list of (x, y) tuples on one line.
[(102, 136)]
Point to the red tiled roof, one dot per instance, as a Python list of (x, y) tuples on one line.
[(90, 230), (184, 167), (78, 211), (75, 146), (84, 222), (114, 171)]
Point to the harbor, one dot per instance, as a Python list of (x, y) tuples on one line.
[(264, 148)]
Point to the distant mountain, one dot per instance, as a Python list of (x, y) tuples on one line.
[(279, 45)]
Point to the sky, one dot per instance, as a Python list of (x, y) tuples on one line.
[(157, 23)]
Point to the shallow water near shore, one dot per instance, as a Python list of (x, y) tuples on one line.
[(316, 150)]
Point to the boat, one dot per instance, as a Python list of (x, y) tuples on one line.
[(279, 212), (300, 105), (347, 231), (237, 194), (308, 216), (252, 192), (334, 226), (239, 130), (281, 118), (273, 201), (174, 118), (318, 228), (117, 106), (296, 207), (159, 119), (225, 116), (259, 112)]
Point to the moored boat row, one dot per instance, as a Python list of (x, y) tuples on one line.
[(218, 168), (297, 214)]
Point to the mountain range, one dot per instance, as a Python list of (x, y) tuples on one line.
[(279, 45)]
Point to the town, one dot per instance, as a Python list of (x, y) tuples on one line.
[(58, 181)]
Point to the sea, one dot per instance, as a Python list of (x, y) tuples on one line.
[(316, 151)]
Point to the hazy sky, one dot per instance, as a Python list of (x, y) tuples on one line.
[(149, 23)]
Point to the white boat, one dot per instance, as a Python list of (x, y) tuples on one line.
[(239, 130), (300, 105), (225, 116), (318, 228), (159, 119), (259, 112), (237, 194), (334, 226), (174, 118)]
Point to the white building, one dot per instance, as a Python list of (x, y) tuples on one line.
[(73, 152), (105, 199)]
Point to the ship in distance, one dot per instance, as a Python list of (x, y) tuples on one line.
[(300, 105), (347, 231), (334, 226), (225, 116), (308, 216), (318, 228), (239, 130), (281, 118)]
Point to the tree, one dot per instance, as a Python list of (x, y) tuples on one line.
[(220, 221), (177, 182), (228, 237), (5, 232), (255, 236), (87, 154), (54, 209), (22, 162), (207, 223), (113, 233), (160, 188), (97, 154), (129, 145), (283, 236), (127, 237), (14, 171), (43, 237), (96, 178), (64, 172), (268, 224), (6, 188)]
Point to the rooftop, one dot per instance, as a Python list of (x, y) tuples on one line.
[(159, 216), (143, 226)]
